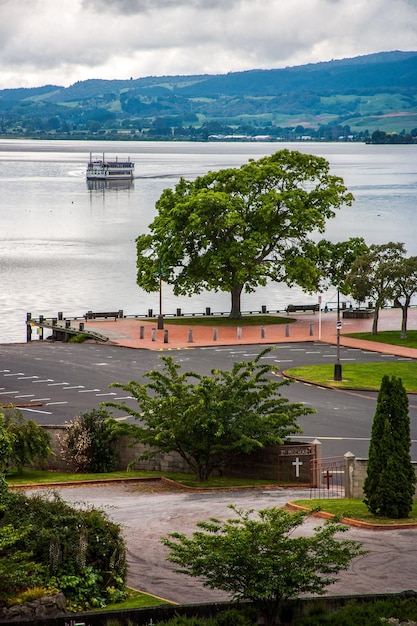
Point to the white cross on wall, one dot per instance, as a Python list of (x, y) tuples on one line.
[(297, 464)]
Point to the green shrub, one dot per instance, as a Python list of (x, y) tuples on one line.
[(80, 552), (365, 614), (89, 442), (22, 442), (80, 338)]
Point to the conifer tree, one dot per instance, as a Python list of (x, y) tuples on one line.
[(390, 482)]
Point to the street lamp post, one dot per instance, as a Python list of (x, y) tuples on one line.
[(338, 365), (160, 316)]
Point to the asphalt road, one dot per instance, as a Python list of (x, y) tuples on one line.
[(54, 382)]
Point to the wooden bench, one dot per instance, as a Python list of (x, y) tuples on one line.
[(293, 308), (358, 313), (93, 315)]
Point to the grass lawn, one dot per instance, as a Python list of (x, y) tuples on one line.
[(354, 508), (359, 375), (223, 320), (27, 477), (391, 337), (137, 600)]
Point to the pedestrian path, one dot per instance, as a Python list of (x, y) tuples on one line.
[(140, 334)]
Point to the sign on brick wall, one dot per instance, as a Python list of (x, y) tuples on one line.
[(294, 461)]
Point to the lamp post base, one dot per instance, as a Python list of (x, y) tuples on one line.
[(160, 322), (338, 372)]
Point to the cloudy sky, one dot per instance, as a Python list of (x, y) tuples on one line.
[(63, 41)]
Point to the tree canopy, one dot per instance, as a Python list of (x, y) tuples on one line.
[(235, 229), (260, 559), (383, 273), (209, 420)]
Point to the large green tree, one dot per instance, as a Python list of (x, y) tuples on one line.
[(235, 229), (390, 481), (210, 420), (405, 287), (374, 275), (262, 560)]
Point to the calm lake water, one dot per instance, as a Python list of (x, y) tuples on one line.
[(67, 247)]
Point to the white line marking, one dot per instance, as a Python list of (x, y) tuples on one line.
[(56, 384), (112, 393), (16, 374), (76, 387), (30, 395), (35, 411), (44, 380), (88, 390), (53, 403), (8, 393), (28, 377)]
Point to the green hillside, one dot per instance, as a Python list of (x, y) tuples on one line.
[(349, 98)]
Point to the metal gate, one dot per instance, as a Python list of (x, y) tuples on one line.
[(327, 477)]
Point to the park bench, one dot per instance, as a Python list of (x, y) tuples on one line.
[(293, 308), (358, 313), (93, 315)]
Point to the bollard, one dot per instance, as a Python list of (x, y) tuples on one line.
[(287, 330), (28, 327), (165, 336), (153, 334), (54, 321), (214, 334), (60, 315), (80, 326), (239, 332), (67, 323), (263, 334), (208, 310), (150, 313), (121, 314), (190, 335), (41, 318), (141, 332), (160, 322), (263, 308), (311, 329), (178, 312)]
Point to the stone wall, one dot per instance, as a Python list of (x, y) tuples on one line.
[(45, 607), (355, 474), (262, 464)]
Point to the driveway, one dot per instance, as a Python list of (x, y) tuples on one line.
[(147, 513)]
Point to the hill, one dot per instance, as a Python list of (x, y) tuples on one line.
[(348, 97)]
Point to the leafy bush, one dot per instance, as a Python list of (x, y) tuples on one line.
[(89, 442), (365, 614), (50, 543), (22, 442)]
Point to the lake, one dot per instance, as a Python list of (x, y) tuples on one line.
[(69, 246)]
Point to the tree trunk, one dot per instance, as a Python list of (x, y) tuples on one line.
[(404, 309), (375, 320), (236, 292)]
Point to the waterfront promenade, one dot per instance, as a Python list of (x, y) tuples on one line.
[(307, 327)]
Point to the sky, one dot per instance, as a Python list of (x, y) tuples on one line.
[(61, 42)]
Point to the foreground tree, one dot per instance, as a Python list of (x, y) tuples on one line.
[(390, 482), (210, 420), (261, 560), (235, 229)]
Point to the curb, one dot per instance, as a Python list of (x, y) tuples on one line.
[(291, 506)]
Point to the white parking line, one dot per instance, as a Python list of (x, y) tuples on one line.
[(76, 387), (56, 384), (16, 374), (53, 403), (40, 399), (24, 408), (4, 393), (88, 390), (43, 380), (30, 395), (27, 377), (111, 393)]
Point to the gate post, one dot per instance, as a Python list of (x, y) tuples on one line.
[(316, 473), (349, 474)]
